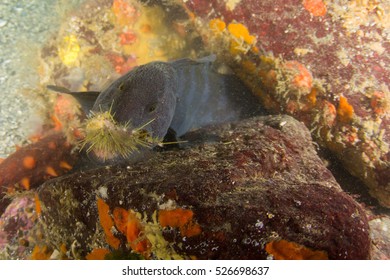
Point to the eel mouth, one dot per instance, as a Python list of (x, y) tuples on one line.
[(106, 139)]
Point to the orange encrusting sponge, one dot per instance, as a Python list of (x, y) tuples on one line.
[(345, 110), (286, 250), (180, 218)]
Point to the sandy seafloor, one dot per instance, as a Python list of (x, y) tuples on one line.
[(25, 25)]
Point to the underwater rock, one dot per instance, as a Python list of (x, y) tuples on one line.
[(31, 165), (379, 232), (323, 62), (16, 225), (225, 194)]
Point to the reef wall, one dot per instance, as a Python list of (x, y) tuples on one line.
[(324, 62)]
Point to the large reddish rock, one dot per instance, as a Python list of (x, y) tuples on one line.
[(324, 62), (249, 190)]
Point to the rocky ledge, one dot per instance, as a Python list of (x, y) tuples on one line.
[(249, 190)]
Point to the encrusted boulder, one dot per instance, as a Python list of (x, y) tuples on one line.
[(249, 190), (323, 62)]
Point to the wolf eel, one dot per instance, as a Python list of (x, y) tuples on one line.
[(176, 96)]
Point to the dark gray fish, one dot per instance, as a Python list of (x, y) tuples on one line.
[(206, 97), (148, 92), (181, 95)]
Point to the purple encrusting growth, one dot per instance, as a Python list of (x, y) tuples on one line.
[(16, 224)]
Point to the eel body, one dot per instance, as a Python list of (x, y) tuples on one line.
[(178, 96)]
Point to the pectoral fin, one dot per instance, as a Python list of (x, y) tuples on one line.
[(86, 99)]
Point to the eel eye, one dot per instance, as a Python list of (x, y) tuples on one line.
[(152, 108)]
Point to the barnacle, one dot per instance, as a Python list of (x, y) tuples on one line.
[(293, 80), (109, 139), (379, 103)]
